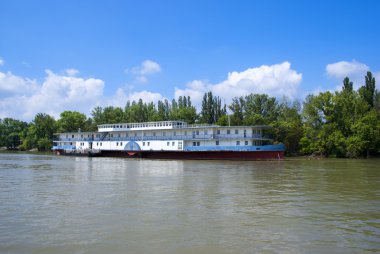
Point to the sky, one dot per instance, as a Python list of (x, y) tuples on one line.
[(76, 55)]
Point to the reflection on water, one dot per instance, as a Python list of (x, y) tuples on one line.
[(54, 204)]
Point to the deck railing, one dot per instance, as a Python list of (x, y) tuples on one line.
[(176, 137)]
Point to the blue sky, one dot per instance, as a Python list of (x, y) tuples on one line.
[(75, 55)]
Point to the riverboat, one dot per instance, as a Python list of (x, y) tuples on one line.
[(171, 140)]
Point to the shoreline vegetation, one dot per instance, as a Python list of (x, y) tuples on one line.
[(341, 124)]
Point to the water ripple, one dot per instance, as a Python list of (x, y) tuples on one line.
[(109, 205)]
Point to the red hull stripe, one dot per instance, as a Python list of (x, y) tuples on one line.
[(200, 155)]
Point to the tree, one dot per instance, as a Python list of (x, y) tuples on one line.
[(212, 108), (71, 121), (113, 114), (368, 90), (183, 110), (287, 128), (318, 112), (366, 133), (11, 132), (259, 109), (97, 117), (39, 132), (237, 107), (163, 110), (347, 85)]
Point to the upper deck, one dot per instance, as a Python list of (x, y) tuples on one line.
[(161, 125)]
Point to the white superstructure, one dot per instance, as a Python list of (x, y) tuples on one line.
[(163, 136)]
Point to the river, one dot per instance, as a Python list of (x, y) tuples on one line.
[(52, 204)]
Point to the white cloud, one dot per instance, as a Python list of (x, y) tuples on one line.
[(141, 79), (72, 72), (17, 85), (146, 96), (56, 94), (120, 98), (377, 78), (195, 89), (356, 71), (1, 62), (24, 98), (344, 69), (276, 80), (146, 68)]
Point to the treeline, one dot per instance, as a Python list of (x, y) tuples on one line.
[(341, 124)]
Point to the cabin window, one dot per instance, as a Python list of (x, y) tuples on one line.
[(148, 143), (217, 142), (97, 144), (118, 135), (236, 131), (117, 143), (167, 143), (173, 143), (246, 143), (238, 143), (205, 132), (198, 143), (121, 143), (197, 132), (179, 145), (218, 132), (101, 144), (194, 143), (72, 136), (143, 143), (81, 136)]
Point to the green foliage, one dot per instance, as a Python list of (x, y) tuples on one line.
[(237, 108), (41, 129), (71, 121), (11, 132), (183, 110), (368, 90), (344, 124), (212, 109), (287, 126)]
